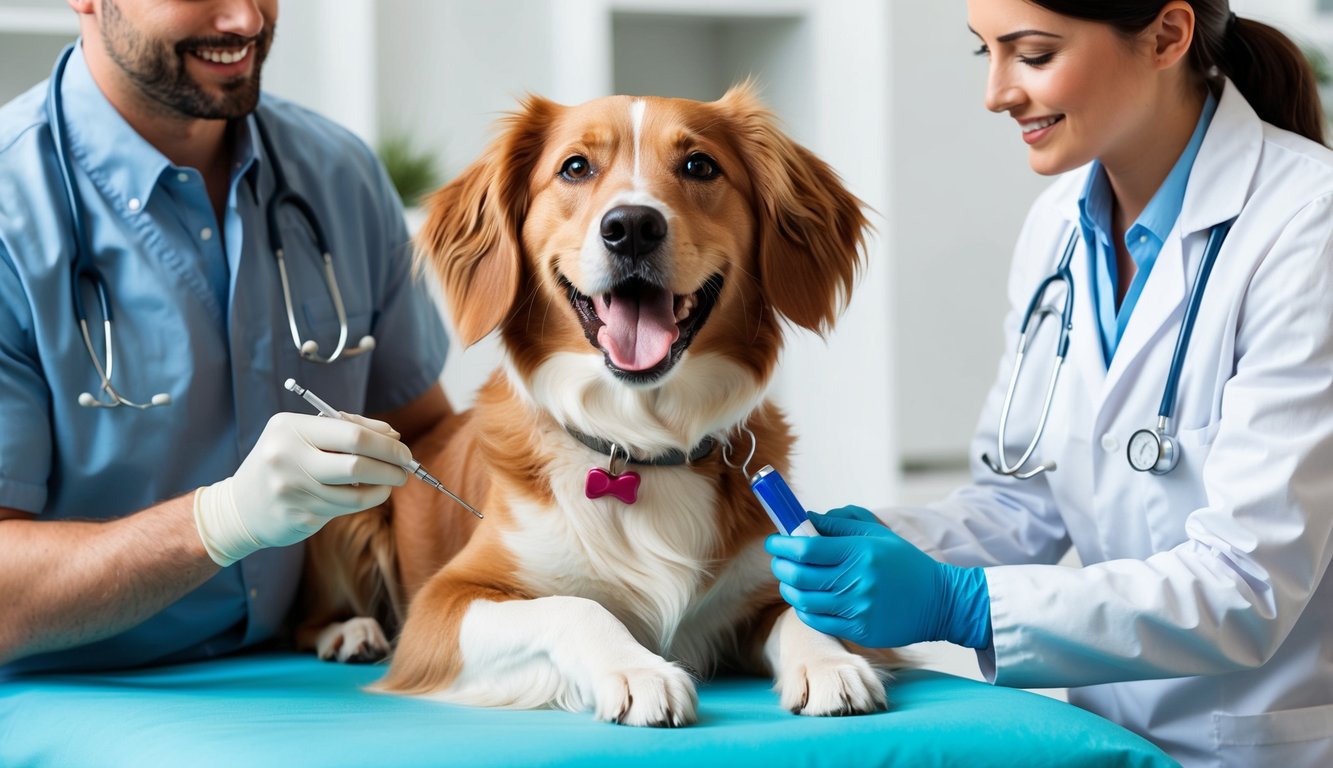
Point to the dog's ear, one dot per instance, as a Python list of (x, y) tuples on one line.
[(472, 234), (811, 229)]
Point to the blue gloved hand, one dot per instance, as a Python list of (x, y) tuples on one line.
[(862, 582)]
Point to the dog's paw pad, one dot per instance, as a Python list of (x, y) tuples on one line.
[(355, 641), (658, 696), (841, 685)]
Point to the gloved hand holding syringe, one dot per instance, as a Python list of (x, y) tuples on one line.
[(413, 468)]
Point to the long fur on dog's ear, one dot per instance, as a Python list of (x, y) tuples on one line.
[(812, 230), (472, 235)]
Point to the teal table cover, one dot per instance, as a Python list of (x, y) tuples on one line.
[(288, 710)]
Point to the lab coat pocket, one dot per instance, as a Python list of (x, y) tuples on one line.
[(1194, 446), (1289, 738), (1170, 499)]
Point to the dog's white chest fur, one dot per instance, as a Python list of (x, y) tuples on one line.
[(645, 562)]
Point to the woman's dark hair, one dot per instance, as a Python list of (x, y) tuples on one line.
[(1266, 66)]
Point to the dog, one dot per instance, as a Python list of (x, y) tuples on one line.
[(639, 258)]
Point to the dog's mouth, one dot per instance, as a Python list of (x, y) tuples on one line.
[(642, 328)]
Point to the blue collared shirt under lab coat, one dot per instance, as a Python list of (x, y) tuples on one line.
[(198, 314), (1143, 239)]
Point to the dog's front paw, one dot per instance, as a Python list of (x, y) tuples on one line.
[(661, 695), (355, 641), (842, 684)]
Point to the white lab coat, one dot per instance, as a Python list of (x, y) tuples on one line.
[(1203, 615)]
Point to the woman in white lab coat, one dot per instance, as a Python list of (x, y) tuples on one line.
[(1202, 615)]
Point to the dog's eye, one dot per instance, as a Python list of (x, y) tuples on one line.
[(701, 166), (576, 168)]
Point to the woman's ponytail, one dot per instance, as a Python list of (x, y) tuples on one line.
[(1270, 71)]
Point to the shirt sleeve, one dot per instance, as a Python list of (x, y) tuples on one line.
[(411, 342), (1227, 597), (25, 431)]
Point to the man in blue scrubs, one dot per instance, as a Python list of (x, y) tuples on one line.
[(133, 536)]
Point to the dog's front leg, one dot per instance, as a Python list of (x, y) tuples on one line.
[(567, 652), (816, 675)]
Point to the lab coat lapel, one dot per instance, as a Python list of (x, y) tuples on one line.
[(1157, 313), (1230, 152)]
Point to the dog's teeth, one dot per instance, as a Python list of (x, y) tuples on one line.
[(683, 311), (686, 307)]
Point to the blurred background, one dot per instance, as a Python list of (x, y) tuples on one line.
[(889, 93)]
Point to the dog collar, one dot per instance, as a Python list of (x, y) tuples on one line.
[(671, 458)]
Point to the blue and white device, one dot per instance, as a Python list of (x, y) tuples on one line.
[(780, 503)]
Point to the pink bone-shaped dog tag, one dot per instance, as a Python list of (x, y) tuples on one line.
[(602, 483)]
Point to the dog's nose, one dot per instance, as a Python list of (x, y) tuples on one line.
[(633, 230)]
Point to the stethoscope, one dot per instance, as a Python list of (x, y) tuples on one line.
[(85, 271), (1152, 449)]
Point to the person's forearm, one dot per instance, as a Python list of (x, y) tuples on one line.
[(70, 583)]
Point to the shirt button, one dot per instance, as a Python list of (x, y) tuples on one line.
[(206, 233), (134, 204), (182, 177), (1143, 239), (1109, 443), (254, 593)]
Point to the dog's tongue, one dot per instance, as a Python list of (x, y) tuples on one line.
[(640, 327)]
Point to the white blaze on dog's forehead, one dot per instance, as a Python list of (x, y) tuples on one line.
[(636, 110)]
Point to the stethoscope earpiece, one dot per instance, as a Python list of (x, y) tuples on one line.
[(310, 350)]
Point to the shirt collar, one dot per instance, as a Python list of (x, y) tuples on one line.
[(1162, 211), (247, 153), (1164, 208), (123, 165), (1094, 205)]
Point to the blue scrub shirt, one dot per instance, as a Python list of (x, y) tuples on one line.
[(198, 314)]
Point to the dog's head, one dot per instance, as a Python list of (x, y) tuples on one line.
[(647, 236)]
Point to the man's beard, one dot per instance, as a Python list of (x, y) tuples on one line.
[(159, 68)]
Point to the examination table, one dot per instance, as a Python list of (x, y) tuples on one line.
[(287, 710)]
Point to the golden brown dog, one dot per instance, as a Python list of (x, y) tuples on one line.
[(638, 257)]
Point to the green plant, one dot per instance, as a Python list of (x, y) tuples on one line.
[(413, 171), (1323, 72)]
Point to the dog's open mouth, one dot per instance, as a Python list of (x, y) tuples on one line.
[(641, 327)]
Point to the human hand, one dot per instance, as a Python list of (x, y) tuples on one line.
[(862, 582), (303, 471)]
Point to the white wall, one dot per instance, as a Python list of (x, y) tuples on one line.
[(340, 48), (961, 187), (32, 32)]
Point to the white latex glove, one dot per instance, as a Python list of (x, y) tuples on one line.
[(304, 471)]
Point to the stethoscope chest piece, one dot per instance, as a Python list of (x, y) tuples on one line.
[(1152, 450)]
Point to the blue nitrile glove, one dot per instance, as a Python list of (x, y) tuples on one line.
[(862, 582)]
